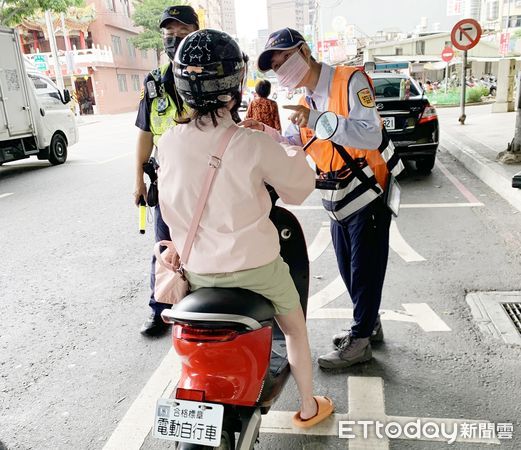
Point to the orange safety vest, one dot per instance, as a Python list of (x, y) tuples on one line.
[(377, 163), (323, 153)]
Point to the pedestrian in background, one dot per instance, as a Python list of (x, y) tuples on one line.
[(262, 108)]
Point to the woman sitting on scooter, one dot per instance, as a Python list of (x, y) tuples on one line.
[(236, 245)]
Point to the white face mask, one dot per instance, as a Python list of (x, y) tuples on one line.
[(292, 71)]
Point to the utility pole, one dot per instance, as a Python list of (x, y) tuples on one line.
[(54, 51), (69, 57)]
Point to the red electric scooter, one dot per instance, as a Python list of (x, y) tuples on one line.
[(234, 359)]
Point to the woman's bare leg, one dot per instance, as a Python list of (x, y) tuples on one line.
[(294, 328)]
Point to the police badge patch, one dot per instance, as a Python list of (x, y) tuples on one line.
[(365, 97)]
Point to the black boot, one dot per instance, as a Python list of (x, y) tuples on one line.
[(154, 326)]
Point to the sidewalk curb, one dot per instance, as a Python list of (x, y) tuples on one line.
[(483, 168)]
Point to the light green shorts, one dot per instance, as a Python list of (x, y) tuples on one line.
[(273, 281)]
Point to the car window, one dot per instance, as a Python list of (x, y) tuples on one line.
[(44, 88), (390, 87)]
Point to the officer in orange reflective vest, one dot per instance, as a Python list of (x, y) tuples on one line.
[(360, 221)]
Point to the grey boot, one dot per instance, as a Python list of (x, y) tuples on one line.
[(351, 351), (376, 336)]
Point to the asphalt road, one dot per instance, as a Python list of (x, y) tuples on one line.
[(74, 287)]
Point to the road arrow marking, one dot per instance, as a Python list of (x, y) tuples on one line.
[(320, 243), (7, 194), (419, 313), (401, 247)]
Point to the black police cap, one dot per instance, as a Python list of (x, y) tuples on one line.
[(182, 13)]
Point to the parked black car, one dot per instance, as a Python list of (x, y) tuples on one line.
[(410, 120)]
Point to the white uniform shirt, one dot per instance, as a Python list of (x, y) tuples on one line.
[(235, 232)]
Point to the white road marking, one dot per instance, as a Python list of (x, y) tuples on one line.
[(419, 313), (319, 244), (124, 155), (280, 422), (366, 401), (474, 204), (441, 205), (333, 290), (458, 184), (139, 419), (400, 246), (7, 194), (97, 163)]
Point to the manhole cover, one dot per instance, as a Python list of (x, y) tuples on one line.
[(498, 314), (514, 312)]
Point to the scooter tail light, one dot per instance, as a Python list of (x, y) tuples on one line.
[(429, 114), (193, 334), (189, 394)]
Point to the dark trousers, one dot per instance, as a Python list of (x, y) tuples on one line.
[(362, 247), (161, 233)]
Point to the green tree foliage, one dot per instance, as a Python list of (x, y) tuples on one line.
[(147, 14), (12, 12)]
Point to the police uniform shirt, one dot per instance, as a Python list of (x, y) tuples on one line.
[(143, 113), (362, 129)]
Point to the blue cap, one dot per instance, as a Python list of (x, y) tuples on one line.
[(284, 39)]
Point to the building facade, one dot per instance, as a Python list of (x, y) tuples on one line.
[(228, 20), (287, 13), (117, 85), (98, 62)]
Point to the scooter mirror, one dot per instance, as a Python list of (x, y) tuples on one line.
[(326, 125)]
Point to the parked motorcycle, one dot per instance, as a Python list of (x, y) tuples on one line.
[(233, 354)]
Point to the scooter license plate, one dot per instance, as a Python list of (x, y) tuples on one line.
[(187, 421)]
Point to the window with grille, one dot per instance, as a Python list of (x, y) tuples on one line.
[(122, 83), (116, 45)]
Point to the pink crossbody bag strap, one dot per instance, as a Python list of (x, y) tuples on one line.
[(214, 163)]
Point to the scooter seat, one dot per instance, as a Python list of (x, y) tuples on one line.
[(227, 301)]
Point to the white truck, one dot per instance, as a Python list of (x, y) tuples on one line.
[(35, 118)]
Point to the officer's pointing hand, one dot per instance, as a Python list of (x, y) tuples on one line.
[(301, 115)]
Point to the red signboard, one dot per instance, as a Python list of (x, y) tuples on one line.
[(466, 34), (447, 54), (504, 42), (326, 44)]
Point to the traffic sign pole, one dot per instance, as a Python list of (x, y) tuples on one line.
[(464, 36), (462, 117), (446, 76)]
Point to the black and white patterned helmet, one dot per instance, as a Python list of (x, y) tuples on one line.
[(209, 69)]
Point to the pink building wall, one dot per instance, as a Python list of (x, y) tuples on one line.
[(109, 96)]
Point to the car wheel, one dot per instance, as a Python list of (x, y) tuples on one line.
[(425, 165), (58, 150)]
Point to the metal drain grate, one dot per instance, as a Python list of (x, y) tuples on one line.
[(514, 312), (497, 314)]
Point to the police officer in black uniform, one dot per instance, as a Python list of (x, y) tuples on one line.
[(159, 108)]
